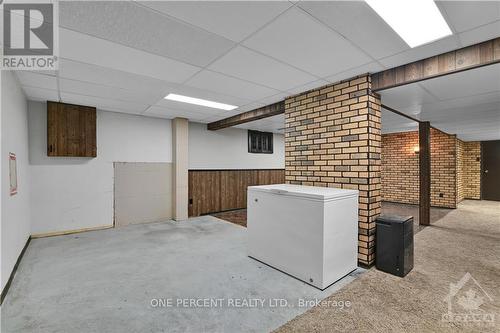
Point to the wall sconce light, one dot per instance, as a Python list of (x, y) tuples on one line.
[(416, 149)]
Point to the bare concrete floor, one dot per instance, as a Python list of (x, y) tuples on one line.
[(111, 280), (454, 286)]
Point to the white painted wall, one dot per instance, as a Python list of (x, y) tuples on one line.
[(15, 211), (228, 149), (77, 193)]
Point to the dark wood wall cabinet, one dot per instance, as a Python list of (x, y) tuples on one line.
[(71, 130), (212, 191)]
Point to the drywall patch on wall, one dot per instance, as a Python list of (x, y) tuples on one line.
[(15, 211), (77, 193), (228, 149), (142, 192)]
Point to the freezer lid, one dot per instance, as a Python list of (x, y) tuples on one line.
[(311, 192)]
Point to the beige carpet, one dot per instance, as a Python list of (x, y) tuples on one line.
[(466, 240)]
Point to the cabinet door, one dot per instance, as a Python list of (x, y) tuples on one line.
[(71, 130)]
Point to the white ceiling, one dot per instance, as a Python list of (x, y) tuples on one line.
[(394, 123), (125, 56), (275, 124), (465, 103)]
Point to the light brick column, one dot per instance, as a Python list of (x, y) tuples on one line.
[(332, 138)]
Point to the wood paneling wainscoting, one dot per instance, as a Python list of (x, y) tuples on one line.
[(212, 191)]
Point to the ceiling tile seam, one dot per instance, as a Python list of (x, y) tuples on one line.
[(118, 70), (240, 44), (103, 98), (341, 35), (458, 98), (237, 78), (282, 62), (179, 20), (428, 91), (146, 109), (172, 109), (132, 47), (231, 49), (33, 87), (98, 84), (177, 85), (350, 69), (446, 16)]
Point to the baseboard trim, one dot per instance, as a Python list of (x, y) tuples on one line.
[(68, 232), (14, 270)]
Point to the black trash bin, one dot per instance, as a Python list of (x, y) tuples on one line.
[(394, 244)]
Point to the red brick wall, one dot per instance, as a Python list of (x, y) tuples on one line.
[(332, 138)]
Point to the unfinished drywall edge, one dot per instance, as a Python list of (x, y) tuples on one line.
[(68, 232)]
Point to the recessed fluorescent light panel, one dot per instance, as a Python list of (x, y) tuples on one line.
[(417, 22), (199, 101)]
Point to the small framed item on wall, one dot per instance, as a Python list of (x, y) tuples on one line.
[(13, 173)]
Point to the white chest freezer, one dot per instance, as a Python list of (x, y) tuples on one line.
[(308, 232)]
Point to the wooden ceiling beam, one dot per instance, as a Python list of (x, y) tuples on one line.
[(245, 117), (466, 58)]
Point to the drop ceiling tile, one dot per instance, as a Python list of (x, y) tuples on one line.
[(141, 28), (37, 80), (298, 39), (233, 20), (371, 67), (466, 15), (110, 77), (308, 86), (480, 34), (227, 85), (464, 102), (247, 107), (274, 99), (223, 114), (104, 104), (91, 89), (406, 98), (252, 66), (393, 123), (84, 48), (170, 113), (357, 22), (472, 82), (40, 94), (421, 52)]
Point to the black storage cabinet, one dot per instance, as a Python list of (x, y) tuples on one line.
[(394, 244)]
